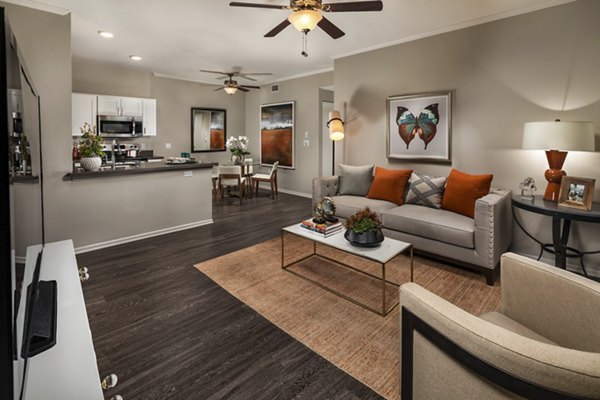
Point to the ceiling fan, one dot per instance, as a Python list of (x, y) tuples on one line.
[(231, 86), (306, 15)]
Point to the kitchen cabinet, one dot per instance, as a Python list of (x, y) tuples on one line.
[(149, 117), (83, 110), (113, 105)]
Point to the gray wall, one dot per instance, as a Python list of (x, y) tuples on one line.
[(306, 94), (85, 210), (533, 67)]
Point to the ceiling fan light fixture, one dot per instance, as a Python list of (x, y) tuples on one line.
[(230, 89), (305, 20)]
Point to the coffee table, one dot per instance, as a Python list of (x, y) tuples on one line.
[(382, 254)]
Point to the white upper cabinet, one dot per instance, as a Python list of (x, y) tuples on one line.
[(131, 107), (113, 105), (149, 116), (83, 110)]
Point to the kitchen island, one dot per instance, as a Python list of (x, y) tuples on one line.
[(130, 203)]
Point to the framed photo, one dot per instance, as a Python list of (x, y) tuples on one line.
[(576, 192), (277, 134), (419, 127)]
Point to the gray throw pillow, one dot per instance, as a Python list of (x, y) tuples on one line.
[(425, 190), (355, 180)]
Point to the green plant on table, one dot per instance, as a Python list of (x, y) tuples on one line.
[(90, 144), (363, 221)]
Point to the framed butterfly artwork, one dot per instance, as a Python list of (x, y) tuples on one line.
[(419, 127)]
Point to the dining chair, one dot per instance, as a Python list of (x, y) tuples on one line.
[(231, 177), (271, 178)]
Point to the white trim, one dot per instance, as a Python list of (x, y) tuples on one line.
[(460, 25), (40, 6), (302, 75), (181, 78), (146, 235), (308, 196)]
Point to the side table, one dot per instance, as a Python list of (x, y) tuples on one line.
[(561, 227)]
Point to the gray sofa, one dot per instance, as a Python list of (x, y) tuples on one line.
[(476, 243)]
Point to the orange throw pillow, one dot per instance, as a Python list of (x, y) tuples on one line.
[(462, 190), (389, 184)]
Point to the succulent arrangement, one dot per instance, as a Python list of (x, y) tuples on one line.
[(363, 221), (90, 144)]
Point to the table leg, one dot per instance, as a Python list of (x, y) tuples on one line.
[(383, 286), (560, 240)]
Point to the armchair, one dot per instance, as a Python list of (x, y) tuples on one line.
[(543, 344)]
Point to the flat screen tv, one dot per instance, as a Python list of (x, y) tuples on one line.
[(21, 222)]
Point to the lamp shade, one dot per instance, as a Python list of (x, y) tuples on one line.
[(336, 126), (558, 135), (230, 89), (305, 20)]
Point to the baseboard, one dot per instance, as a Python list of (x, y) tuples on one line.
[(267, 187), (145, 235)]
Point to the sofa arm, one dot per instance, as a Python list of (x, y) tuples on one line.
[(560, 305), (441, 370), (325, 186), (493, 226)]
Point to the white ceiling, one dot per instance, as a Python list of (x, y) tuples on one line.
[(179, 37)]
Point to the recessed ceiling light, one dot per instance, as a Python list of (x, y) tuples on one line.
[(135, 58), (106, 34)]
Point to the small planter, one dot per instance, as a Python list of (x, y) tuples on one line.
[(365, 239), (91, 163)]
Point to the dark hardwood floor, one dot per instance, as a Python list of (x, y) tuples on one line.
[(169, 332)]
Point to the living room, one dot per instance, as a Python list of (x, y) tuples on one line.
[(502, 72)]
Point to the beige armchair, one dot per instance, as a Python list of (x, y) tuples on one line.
[(543, 344)]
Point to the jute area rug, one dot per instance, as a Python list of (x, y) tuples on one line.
[(360, 342)]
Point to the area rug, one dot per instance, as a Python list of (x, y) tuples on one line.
[(358, 341)]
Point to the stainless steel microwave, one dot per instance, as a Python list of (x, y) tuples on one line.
[(119, 126)]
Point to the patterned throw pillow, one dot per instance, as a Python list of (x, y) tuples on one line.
[(426, 190)]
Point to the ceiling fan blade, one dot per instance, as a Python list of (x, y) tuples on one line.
[(221, 88), (254, 5), (243, 89), (354, 6), (246, 77), (249, 87), (330, 28), (278, 28), (254, 73), (214, 72)]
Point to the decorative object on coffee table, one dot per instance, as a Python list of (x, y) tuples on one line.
[(528, 188), (576, 192), (328, 207), (557, 138), (363, 229), (318, 215), (90, 148)]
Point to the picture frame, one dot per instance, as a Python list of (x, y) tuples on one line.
[(208, 129), (576, 192), (424, 136), (277, 139)]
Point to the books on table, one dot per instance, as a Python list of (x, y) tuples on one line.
[(325, 230)]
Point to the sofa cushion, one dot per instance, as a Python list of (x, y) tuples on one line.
[(389, 185), (355, 180), (348, 205), (505, 322), (425, 190), (463, 190), (441, 225)]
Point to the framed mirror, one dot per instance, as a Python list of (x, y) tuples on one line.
[(209, 129)]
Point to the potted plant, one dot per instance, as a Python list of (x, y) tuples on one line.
[(238, 147), (363, 229), (90, 148)]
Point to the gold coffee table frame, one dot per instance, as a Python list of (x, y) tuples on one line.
[(383, 312)]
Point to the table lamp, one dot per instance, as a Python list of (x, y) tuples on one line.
[(557, 138)]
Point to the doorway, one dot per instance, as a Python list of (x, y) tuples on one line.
[(326, 143)]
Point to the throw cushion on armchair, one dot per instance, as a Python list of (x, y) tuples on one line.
[(463, 190), (390, 184), (355, 180)]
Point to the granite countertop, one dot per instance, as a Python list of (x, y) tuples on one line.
[(143, 168)]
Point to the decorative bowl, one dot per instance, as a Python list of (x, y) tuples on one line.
[(365, 239)]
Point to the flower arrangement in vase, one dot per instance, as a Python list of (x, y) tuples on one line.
[(90, 148), (238, 147), (363, 229)]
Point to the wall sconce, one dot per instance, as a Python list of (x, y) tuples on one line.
[(336, 133), (557, 138)]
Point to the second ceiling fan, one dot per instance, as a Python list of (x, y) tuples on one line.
[(306, 15), (231, 86)]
